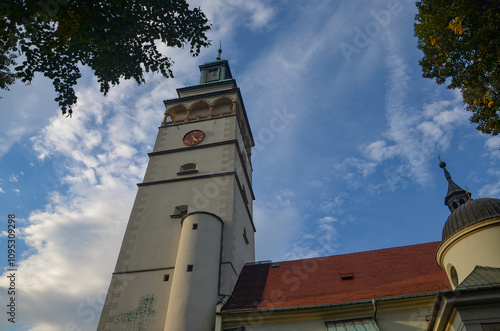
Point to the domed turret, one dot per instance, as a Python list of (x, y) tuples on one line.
[(471, 234), (474, 211)]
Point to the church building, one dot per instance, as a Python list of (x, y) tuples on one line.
[(187, 261)]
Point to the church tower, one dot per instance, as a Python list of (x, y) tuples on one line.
[(191, 229)]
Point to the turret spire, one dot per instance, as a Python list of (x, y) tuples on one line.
[(219, 51), (456, 195)]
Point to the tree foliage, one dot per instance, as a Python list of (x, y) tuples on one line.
[(460, 40), (115, 38)]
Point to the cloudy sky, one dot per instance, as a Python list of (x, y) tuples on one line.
[(352, 167)]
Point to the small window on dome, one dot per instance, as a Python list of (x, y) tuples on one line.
[(454, 276), (454, 204)]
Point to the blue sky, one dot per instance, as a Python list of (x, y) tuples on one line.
[(347, 135)]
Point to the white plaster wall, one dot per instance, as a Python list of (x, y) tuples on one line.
[(404, 315), (209, 160), (405, 320), (216, 130), (482, 247), (236, 252), (197, 290), (122, 315), (240, 170)]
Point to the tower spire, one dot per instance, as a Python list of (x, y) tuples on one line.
[(219, 51), (456, 195)]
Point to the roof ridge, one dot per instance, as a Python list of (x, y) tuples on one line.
[(352, 253)]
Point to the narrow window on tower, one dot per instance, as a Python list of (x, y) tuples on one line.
[(166, 277), (180, 211), (189, 268), (195, 226), (244, 194), (245, 236), (188, 168)]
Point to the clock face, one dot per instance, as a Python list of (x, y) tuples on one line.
[(193, 137)]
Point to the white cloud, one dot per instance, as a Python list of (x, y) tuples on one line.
[(319, 183), (493, 143), (25, 108), (101, 164), (320, 243), (491, 189), (277, 222), (354, 171), (431, 130), (333, 205), (402, 120), (379, 151), (261, 14), (413, 135), (440, 118), (13, 179), (228, 15)]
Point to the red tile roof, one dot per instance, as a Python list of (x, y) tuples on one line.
[(384, 273)]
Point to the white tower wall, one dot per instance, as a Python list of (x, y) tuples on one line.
[(195, 280), (151, 288), (477, 245)]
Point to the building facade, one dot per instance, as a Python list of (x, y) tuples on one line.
[(187, 257)]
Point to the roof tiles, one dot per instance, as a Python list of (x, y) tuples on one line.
[(378, 274)]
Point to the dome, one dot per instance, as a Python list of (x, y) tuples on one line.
[(470, 213)]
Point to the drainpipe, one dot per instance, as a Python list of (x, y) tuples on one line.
[(218, 316), (374, 303)]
